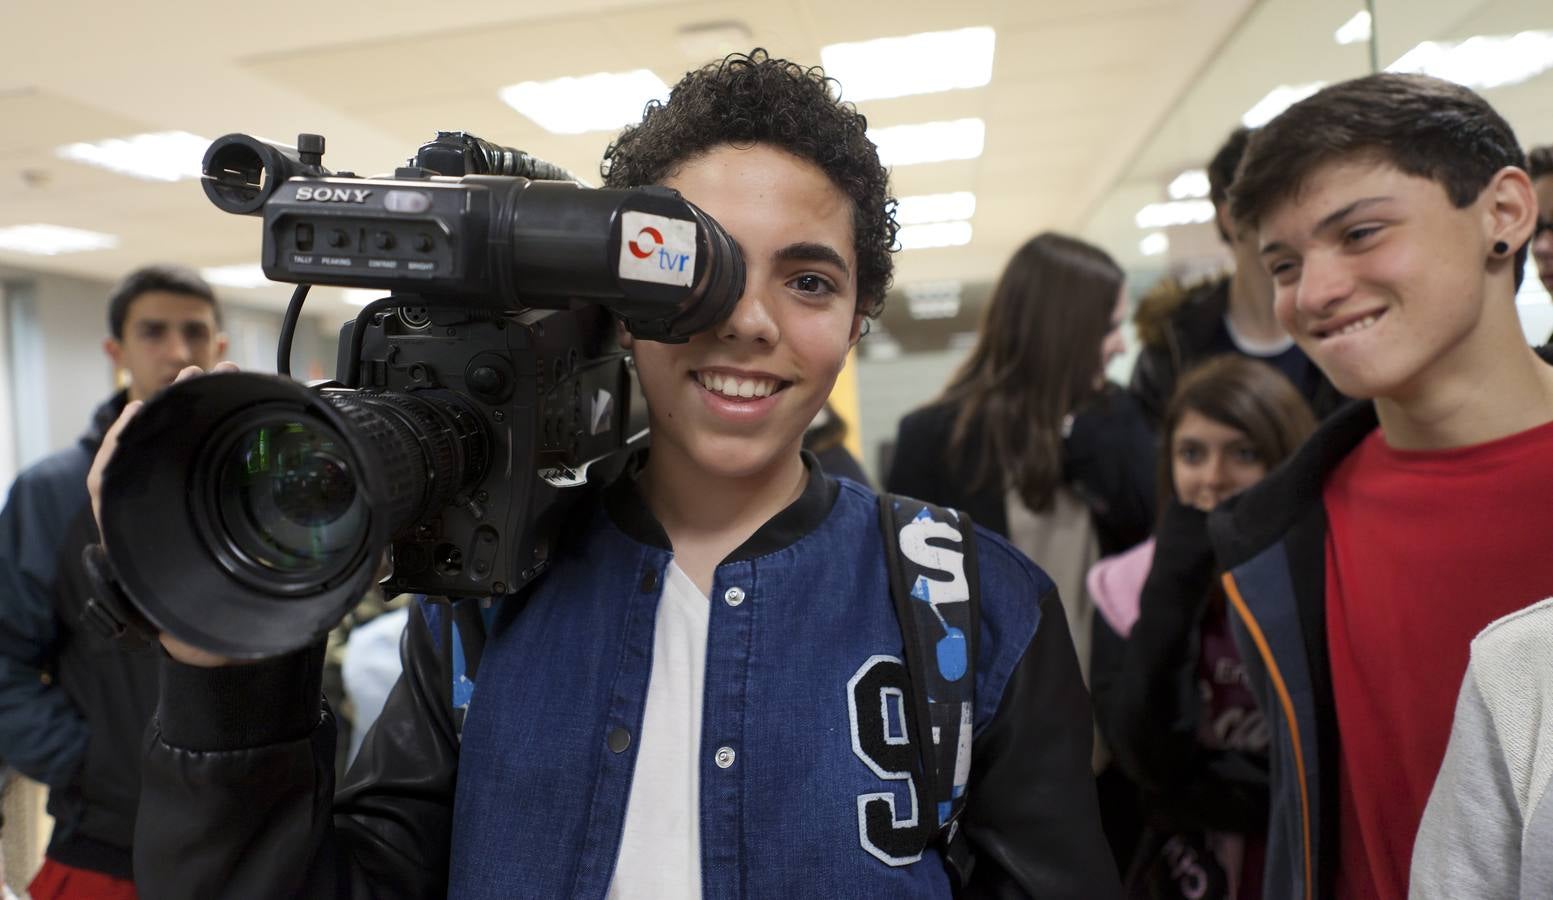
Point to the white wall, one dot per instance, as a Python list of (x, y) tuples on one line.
[(889, 389), (60, 372), (7, 386)]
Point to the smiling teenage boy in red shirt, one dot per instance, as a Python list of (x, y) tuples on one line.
[(1393, 213)]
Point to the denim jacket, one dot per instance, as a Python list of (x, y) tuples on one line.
[(803, 725)]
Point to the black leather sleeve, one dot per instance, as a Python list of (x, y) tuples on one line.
[(237, 796), (1110, 458), (1032, 817)]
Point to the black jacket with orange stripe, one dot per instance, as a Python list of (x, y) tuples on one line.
[(1271, 542)]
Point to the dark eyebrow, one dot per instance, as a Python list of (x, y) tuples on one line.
[(1329, 220), (812, 252)]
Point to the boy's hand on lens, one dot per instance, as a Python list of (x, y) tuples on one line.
[(110, 442)]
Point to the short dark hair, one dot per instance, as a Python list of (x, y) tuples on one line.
[(1426, 127), (1221, 171), (1539, 161), (751, 98), (160, 277)]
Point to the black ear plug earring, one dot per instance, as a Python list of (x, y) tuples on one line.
[(1501, 248)]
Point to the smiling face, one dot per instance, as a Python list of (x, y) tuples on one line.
[(734, 400), (1380, 279), (1211, 462), (1542, 244)]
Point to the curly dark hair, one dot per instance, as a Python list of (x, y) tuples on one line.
[(751, 98)]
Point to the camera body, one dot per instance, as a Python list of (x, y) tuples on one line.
[(534, 385), (472, 403)]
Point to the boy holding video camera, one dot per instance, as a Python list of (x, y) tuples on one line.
[(704, 696)]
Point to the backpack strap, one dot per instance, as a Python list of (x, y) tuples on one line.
[(931, 557), (460, 628)]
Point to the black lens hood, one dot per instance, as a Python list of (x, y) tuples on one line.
[(157, 534)]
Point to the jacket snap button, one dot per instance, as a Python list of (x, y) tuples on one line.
[(724, 757), (733, 596), (649, 580), (619, 740)]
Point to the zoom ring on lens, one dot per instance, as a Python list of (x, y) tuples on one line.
[(395, 453), (452, 438)]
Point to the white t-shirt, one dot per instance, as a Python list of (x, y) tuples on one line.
[(660, 852)]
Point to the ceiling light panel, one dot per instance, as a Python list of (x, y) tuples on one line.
[(1355, 30), (1155, 243), (1175, 212), (52, 240), (933, 300), (924, 208), (161, 156), (925, 63), (936, 234), (907, 145), (1482, 61), (1189, 185), (604, 101), (1277, 100)]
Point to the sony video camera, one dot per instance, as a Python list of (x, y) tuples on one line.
[(246, 514)]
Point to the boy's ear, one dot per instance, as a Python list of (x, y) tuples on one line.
[(1511, 208), (857, 330), (624, 336)]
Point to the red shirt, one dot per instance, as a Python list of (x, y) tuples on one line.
[(1424, 549)]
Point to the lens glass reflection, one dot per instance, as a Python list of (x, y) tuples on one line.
[(288, 498)]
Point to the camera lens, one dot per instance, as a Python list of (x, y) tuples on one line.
[(287, 499)]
